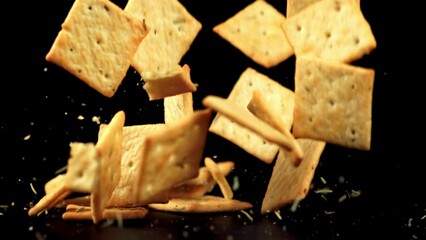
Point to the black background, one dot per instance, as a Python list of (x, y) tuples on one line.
[(43, 101)]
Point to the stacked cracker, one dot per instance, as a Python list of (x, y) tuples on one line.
[(331, 102)]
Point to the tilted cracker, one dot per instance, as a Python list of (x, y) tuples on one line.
[(131, 163), (171, 156), (330, 29), (289, 183), (333, 102), (109, 149), (168, 81), (177, 107), (276, 110), (172, 31), (53, 183), (241, 95), (247, 120), (219, 177), (49, 200), (204, 204), (202, 184), (256, 31), (96, 44), (76, 212)]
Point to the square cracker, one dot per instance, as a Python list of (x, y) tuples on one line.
[(109, 148), (241, 95), (256, 31), (131, 163), (333, 102), (96, 44), (288, 182), (172, 31), (171, 156), (330, 29)]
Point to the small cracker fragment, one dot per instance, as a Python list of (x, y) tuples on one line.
[(330, 29), (131, 163), (200, 185), (204, 204), (219, 177), (241, 95), (177, 107), (171, 156), (168, 82), (81, 213), (109, 149), (96, 44), (294, 6), (249, 121), (172, 31), (289, 183), (333, 102), (256, 31)]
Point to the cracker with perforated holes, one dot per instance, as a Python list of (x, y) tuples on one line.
[(289, 183), (131, 162), (330, 29), (109, 152), (172, 31), (96, 44), (256, 31), (171, 156), (333, 102)]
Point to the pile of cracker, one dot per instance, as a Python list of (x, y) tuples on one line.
[(131, 169)]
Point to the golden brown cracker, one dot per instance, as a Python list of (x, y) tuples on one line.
[(331, 29), (96, 44), (256, 31), (289, 183), (333, 102)]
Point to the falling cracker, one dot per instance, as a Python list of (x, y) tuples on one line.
[(168, 82), (202, 184), (81, 213), (290, 183), (177, 107), (330, 29), (219, 177), (249, 121), (171, 156), (172, 31), (131, 163), (109, 149), (241, 94), (204, 204), (277, 111), (96, 44), (333, 102), (256, 31)]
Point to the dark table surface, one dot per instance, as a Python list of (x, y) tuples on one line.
[(43, 101)]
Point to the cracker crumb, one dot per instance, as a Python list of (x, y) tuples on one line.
[(80, 117), (27, 137)]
